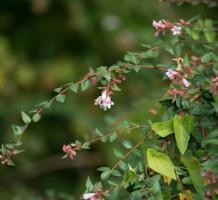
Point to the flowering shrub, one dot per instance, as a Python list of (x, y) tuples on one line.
[(177, 156)]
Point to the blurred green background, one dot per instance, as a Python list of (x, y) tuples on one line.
[(46, 43)]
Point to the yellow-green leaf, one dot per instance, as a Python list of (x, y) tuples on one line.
[(194, 170), (163, 129), (160, 163), (182, 128)]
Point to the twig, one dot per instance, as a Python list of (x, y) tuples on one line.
[(128, 153)]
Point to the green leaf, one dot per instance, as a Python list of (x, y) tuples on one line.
[(182, 127), (132, 58), (61, 98), (58, 89), (113, 137), (209, 141), (85, 85), (26, 119), (215, 105), (209, 57), (103, 71), (115, 173), (124, 124), (36, 117), (163, 129), (123, 165), (115, 87), (118, 153), (89, 185), (194, 170), (105, 175), (104, 139), (169, 49), (209, 31), (102, 169), (74, 87), (127, 144), (160, 163), (98, 132), (187, 180), (17, 130), (86, 145)]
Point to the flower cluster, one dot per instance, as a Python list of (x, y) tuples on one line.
[(210, 179), (104, 101), (162, 26), (69, 150), (177, 77), (172, 74), (6, 155)]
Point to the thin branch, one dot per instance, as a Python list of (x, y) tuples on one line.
[(113, 133), (128, 153)]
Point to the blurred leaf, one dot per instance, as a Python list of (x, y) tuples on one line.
[(26, 119), (36, 117), (61, 98), (85, 85), (127, 144), (195, 172), (74, 87)]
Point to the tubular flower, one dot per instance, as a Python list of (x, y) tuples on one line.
[(171, 74), (104, 101), (161, 26), (176, 30), (185, 82)]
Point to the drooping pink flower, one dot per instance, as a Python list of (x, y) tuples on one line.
[(176, 30), (172, 74), (185, 82), (104, 101), (69, 151)]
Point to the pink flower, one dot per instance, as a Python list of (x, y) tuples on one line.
[(69, 151), (176, 30), (161, 26), (185, 82), (171, 74), (104, 101)]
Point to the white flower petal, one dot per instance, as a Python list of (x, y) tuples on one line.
[(88, 195)]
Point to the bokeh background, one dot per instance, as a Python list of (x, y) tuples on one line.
[(46, 43)]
